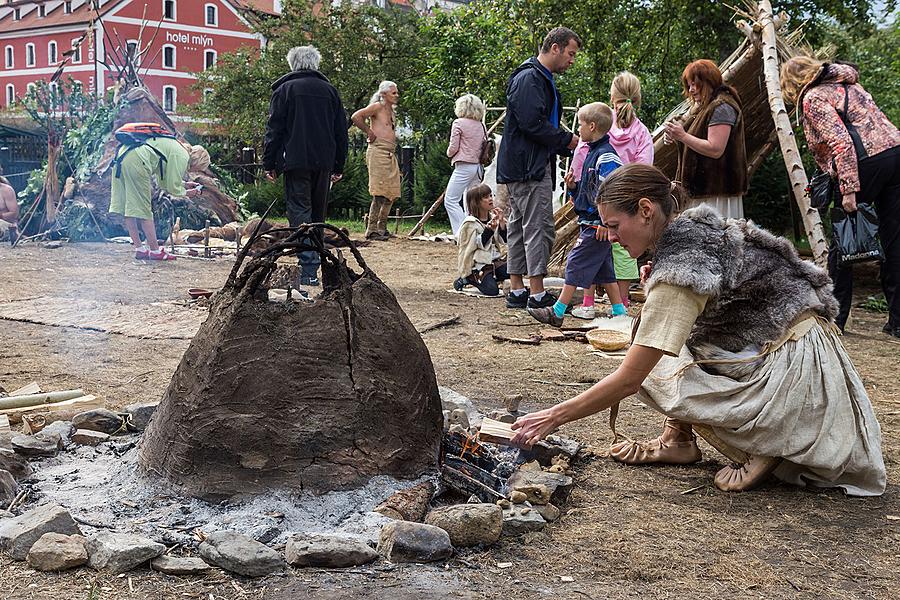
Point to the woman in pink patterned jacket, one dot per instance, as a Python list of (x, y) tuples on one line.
[(869, 174)]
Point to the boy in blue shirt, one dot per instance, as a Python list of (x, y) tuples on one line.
[(590, 261)]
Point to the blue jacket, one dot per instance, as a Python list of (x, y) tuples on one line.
[(529, 136), (601, 160)]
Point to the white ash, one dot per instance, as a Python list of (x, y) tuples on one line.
[(104, 489)]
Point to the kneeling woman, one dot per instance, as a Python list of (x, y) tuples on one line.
[(736, 336), (481, 236)]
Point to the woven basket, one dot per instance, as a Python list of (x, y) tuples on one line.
[(608, 339)]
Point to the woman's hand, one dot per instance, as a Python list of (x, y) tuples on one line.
[(849, 202), (570, 180), (675, 131), (602, 233), (534, 427), (645, 271)]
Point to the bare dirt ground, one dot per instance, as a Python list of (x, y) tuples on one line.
[(661, 532)]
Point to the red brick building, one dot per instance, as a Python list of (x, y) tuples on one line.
[(191, 34)]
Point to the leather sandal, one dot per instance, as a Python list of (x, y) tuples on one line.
[(657, 451), (745, 477)]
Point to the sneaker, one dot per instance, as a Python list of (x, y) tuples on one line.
[(142, 254), (519, 300), (548, 300), (546, 315), (459, 284), (310, 281), (584, 312), (160, 254)]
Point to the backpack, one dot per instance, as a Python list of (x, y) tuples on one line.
[(488, 149), (135, 135)]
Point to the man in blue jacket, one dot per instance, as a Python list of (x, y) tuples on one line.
[(306, 139), (532, 138)]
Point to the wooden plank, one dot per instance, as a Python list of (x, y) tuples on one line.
[(31, 388), (496, 432), (56, 411)]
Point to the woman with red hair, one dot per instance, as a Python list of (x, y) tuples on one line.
[(713, 163)]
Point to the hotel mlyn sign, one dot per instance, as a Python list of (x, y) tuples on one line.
[(180, 38)]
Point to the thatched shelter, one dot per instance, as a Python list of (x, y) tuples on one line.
[(140, 106), (752, 69)]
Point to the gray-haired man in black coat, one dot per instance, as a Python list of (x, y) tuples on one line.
[(306, 139)]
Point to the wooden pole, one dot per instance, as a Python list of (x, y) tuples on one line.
[(427, 215), (789, 151), (206, 240)]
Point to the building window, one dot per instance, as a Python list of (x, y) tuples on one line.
[(68, 8), (10, 95), (212, 15), (209, 59), (169, 98), (76, 50), (42, 11), (29, 55), (169, 10), (8, 55), (168, 59), (52, 54), (17, 14)]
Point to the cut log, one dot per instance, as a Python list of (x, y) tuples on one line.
[(58, 411), (408, 505), (37, 399)]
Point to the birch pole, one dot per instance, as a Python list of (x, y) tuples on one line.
[(811, 222)]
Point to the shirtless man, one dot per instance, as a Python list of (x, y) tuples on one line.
[(9, 211), (377, 121)]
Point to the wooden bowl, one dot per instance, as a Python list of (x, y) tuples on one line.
[(608, 340), (199, 293)]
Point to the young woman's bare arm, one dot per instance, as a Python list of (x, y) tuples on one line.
[(618, 385)]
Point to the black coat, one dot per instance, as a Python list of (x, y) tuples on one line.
[(529, 138), (307, 127)]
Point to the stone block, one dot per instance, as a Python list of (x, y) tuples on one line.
[(121, 552), (468, 524), (240, 554), (18, 534), (57, 552), (328, 551), (408, 542)]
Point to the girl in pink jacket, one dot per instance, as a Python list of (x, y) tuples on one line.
[(634, 144)]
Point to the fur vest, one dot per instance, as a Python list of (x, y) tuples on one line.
[(756, 283), (724, 176)]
